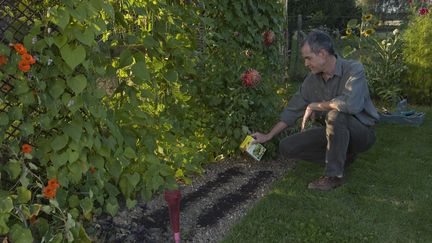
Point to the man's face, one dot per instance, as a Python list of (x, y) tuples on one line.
[(315, 62)]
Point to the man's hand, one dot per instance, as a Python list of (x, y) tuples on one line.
[(309, 114), (260, 137)]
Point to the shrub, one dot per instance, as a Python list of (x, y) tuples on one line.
[(417, 53)]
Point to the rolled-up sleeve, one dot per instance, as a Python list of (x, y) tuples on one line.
[(353, 96), (295, 108)]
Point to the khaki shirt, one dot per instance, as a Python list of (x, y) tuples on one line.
[(347, 89)]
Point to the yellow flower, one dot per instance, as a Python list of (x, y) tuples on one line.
[(368, 32), (348, 31), (367, 17)]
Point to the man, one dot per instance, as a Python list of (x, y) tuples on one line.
[(337, 90)]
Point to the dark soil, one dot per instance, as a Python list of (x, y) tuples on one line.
[(209, 207)]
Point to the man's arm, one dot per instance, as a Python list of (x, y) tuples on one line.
[(262, 138)]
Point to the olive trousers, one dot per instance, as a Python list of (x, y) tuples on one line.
[(330, 144)]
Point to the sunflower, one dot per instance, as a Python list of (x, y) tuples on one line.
[(367, 17), (348, 31), (368, 32)]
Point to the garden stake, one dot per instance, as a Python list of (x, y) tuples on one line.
[(173, 197)]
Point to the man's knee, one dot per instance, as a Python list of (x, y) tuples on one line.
[(287, 148)]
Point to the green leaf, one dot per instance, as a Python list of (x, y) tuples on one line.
[(24, 195), (73, 155), (4, 119), (171, 76), (6, 205), (60, 40), (27, 128), (73, 56), (77, 83), (156, 182), (134, 179), (86, 37), (114, 168), (62, 18), (57, 88), (73, 130), (13, 168), (59, 142), (131, 203), (59, 160), (140, 71), (112, 206), (129, 153), (86, 205), (73, 201), (126, 58), (19, 234), (352, 23)]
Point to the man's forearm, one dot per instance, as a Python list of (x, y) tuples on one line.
[(277, 129), (322, 106)]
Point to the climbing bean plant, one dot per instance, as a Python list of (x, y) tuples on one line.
[(117, 100)]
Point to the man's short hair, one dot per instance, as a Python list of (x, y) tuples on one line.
[(318, 40)]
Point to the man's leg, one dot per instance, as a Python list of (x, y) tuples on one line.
[(344, 134), (309, 145)]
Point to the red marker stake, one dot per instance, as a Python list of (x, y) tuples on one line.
[(173, 197)]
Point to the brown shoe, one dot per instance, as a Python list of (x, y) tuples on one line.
[(326, 183)]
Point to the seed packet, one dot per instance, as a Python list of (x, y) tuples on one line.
[(255, 150)]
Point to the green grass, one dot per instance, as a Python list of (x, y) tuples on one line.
[(388, 197)]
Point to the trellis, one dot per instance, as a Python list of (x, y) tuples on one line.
[(16, 19)]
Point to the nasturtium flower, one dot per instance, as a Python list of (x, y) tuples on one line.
[(3, 60), (26, 148), (49, 193), (53, 183), (23, 66), (28, 58), (20, 49)]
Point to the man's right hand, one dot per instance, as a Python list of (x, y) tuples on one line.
[(260, 137)]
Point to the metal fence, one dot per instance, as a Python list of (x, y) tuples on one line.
[(16, 19)]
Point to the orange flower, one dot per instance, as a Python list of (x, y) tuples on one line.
[(28, 58), (53, 183), (20, 49), (49, 192), (3, 60), (26, 148), (23, 66), (92, 170)]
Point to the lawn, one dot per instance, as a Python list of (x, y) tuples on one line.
[(388, 197)]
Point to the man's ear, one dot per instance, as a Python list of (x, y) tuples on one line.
[(323, 53)]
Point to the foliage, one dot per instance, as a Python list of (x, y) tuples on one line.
[(385, 67), (165, 108), (417, 53), (382, 58), (332, 14), (236, 41)]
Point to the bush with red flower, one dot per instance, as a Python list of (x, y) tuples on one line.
[(251, 78)]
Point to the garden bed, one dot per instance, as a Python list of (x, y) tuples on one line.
[(209, 207)]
